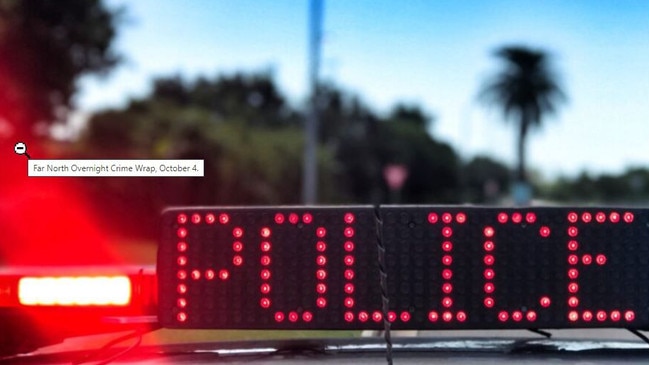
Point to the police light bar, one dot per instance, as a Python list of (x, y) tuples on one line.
[(75, 290), (444, 267)]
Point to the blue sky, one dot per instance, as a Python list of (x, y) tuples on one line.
[(432, 53)]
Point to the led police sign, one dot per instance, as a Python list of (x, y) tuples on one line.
[(447, 267)]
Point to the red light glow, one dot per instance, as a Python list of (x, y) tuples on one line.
[(573, 217), (210, 218), (224, 218), (447, 288), (545, 302), (600, 259), (321, 246), (182, 232), (182, 317), (489, 231), (573, 273), (321, 302), (265, 260), (447, 232), (349, 260), (349, 274), (182, 274), (433, 316), (76, 290), (196, 274), (517, 217), (196, 218), (573, 316), (447, 302), (573, 245), (279, 218), (489, 302), (531, 316), (461, 316), (264, 288), (237, 246), (502, 217), (447, 274), (614, 217), (182, 247), (224, 274), (209, 274), (544, 231), (349, 218), (349, 246), (573, 231), (489, 260), (307, 316), (320, 288), (363, 316), (293, 316), (573, 287), (405, 316), (629, 316), (182, 260), (573, 302), (503, 316), (349, 316), (600, 217), (237, 260), (587, 259), (447, 218), (349, 302), (573, 259), (586, 217), (587, 316), (182, 218), (489, 246), (460, 218), (264, 303), (447, 260), (349, 288), (349, 232), (265, 274), (279, 317), (265, 246), (601, 316), (489, 274), (616, 315), (432, 218), (628, 217), (321, 274), (293, 218), (517, 316), (265, 232), (182, 288), (237, 232), (447, 316), (530, 217), (321, 232), (447, 246), (307, 218), (181, 302), (489, 288), (321, 260)]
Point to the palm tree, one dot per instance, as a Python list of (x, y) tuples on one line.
[(526, 90)]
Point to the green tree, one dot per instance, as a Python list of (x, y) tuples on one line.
[(46, 46), (526, 90)]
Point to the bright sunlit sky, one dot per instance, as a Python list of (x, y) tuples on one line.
[(436, 54)]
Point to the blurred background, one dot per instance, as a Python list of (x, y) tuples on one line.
[(415, 103)]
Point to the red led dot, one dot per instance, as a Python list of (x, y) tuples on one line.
[(461, 316), (320, 288), (279, 317), (447, 260), (349, 288), (196, 274), (349, 274), (573, 287), (349, 316), (182, 260), (447, 302), (320, 232), (349, 260), (587, 316), (349, 246), (489, 274), (614, 217), (264, 288), (433, 316), (321, 260), (264, 302), (447, 274), (489, 288), (182, 246), (182, 274), (265, 274), (573, 259), (460, 218), (615, 316), (293, 218), (628, 217), (489, 246), (517, 316), (629, 316), (293, 316), (600, 259), (502, 217), (209, 274), (182, 219), (544, 231), (182, 317), (545, 302), (349, 302), (489, 231), (489, 260), (321, 246), (392, 316), (265, 246), (349, 232), (307, 316), (321, 274), (531, 316), (196, 218), (181, 303), (405, 316), (573, 273), (573, 245), (224, 218), (182, 288), (530, 217), (363, 316), (447, 218), (224, 274), (432, 218), (489, 302), (349, 218), (573, 231), (447, 232), (237, 232), (321, 302), (586, 217), (587, 259), (307, 218), (503, 316), (377, 316), (447, 246), (517, 217), (265, 232), (237, 260), (600, 217), (447, 316), (573, 217), (182, 232), (279, 218), (601, 316), (237, 246), (573, 302), (573, 316), (265, 260), (210, 218), (447, 288)]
